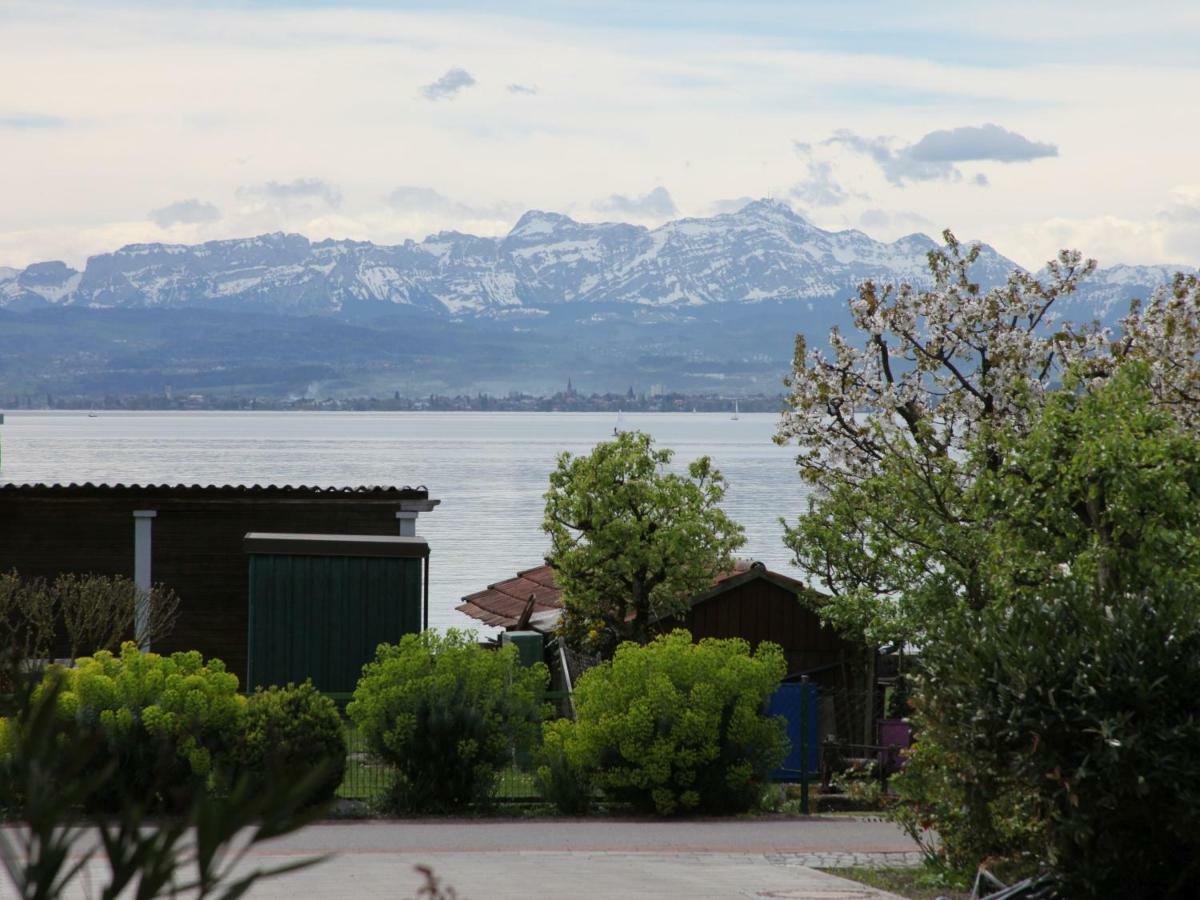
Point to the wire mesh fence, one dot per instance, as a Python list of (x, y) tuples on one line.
[(369, 778)]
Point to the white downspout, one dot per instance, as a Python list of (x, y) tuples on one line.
[(143, 523)]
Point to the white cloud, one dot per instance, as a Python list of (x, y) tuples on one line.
[(819, 187), (259, 94), (731, 205), (522, 89), (657, 204), (449, 85), (185, 212), (299, 191)]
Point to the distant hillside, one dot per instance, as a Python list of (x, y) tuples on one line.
[(694, 304)]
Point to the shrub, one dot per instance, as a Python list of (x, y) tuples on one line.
[(559, 781), (676, 727), (286, 732), (448, 714), (167, 722)]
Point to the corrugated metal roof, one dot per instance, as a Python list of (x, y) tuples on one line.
[(409, 493)]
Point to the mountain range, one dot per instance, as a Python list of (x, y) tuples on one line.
[(695, 304)]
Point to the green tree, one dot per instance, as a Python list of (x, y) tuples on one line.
[(1061, 714), (885, 419), (631, 541)]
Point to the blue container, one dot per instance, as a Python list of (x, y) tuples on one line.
[(798, 703)]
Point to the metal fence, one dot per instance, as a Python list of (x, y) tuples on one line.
[(369, 778)]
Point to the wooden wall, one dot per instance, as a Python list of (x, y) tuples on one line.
[(197, 543), (762, 611)]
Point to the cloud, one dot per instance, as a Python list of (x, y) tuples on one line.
[(522, 89), (449, 85), (184, 212), (933, 157), (301, 191), (30, 121), (656, 204), (980, 180), (879, 218), (982, 142), (412, 198), (732, 205), (819, 189), (897, 165)]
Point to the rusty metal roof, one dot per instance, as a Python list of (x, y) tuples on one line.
[(502, 603)]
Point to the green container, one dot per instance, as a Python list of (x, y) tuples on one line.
[(321, 604), (529, 645)]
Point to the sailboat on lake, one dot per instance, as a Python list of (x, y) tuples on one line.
[(735, 411)]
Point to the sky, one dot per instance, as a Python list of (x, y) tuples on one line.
[(1030, 126)]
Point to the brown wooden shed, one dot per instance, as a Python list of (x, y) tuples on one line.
[(188, 537), (749, 602)]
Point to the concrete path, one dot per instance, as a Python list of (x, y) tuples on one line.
[(591, 859), (586, 859)]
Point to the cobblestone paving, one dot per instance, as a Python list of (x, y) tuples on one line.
[(893, 860)]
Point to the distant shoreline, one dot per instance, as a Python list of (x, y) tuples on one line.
[(558, 403)]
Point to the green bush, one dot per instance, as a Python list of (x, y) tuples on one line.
[(448, 715), (286, 732), (675, 727), (559, 781), (168, 723)]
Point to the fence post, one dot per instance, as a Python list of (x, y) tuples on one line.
[(804, 745)]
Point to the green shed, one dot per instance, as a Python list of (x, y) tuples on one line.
[(321, 603)]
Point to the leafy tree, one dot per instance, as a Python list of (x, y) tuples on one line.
[(449, 715), (1058, 722), (672, 727), (885, 421), (630, 541)]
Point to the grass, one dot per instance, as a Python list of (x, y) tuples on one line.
[(915, 883)]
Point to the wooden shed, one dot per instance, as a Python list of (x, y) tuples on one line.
[(188, 537), (749, 602)]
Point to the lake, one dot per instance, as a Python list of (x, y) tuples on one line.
[(488, 469)]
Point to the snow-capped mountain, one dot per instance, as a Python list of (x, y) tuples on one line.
[(763, 252)]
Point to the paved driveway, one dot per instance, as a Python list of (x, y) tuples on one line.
[(585, 859)]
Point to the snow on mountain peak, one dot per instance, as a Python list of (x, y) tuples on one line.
[(765, 251)]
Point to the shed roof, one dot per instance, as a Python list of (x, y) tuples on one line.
[(219, 491), (502, 603)]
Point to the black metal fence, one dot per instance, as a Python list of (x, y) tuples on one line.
[(369, 778)]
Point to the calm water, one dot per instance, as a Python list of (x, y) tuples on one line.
[(488, 469)]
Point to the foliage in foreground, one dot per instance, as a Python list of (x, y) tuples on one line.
[(283, 730), (1058, 721), (672, 727), (632, 542), (52, 768), (166, 723), (448, 715)]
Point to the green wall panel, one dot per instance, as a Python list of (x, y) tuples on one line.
[(321, 617)]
